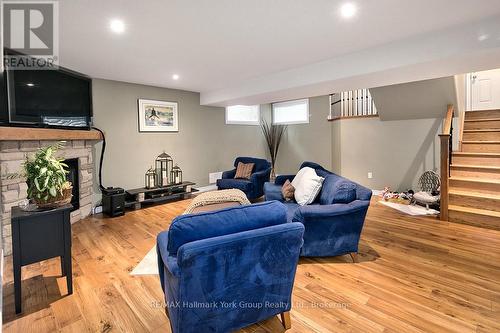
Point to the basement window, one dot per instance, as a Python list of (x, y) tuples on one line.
[(243, 115), (291, 112)]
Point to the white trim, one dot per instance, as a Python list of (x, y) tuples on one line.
[(468, 91), (292, 102)]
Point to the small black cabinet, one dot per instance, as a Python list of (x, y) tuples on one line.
[(38, 236)]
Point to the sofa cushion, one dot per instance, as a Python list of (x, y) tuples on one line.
[(307, 186), (343, 191), (288, 191), (260, 164), (244, 170), (240, 184), (188, 228), (272, 192)]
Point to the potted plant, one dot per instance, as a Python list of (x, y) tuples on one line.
[(46, 178), (272, 134)]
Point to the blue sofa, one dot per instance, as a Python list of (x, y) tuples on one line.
[(333, 222), (224, 270), (253, 188)]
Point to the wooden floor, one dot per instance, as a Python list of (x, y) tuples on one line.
[(415, 275)]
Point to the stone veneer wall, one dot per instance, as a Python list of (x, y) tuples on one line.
[(13, 154)]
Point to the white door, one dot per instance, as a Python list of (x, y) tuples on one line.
[(485, 90)]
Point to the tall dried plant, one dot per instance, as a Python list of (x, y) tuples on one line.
[(273, 135)]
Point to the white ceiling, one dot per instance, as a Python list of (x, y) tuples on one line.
[(241, 51)]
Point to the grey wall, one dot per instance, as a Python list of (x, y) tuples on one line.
[(307, 142), (203, 144), (415, 100), (396, 152)]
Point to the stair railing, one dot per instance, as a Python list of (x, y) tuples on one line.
[(352, 104), (445, 162)]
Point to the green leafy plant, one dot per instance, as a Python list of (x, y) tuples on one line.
[(46, 175)]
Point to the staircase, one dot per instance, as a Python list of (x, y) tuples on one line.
[(474, 183)]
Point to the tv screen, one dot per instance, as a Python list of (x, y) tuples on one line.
[(49, 98)]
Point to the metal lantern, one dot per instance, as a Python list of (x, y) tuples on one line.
[(176, 175), (150, 178), (163, 164)]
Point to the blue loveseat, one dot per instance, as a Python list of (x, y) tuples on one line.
[(253, 188), (224, 270), (333, 222)]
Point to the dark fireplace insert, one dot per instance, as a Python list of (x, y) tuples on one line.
[(73, 177)]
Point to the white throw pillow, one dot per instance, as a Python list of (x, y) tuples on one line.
[(307, 186)]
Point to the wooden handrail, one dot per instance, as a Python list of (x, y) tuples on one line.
[(448, 120), (445, 161)]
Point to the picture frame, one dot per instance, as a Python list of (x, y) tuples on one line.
[(158, 116)]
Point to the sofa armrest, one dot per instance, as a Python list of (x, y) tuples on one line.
[(329, 211), (165, 260), (281, 179), (260, 177), (229, 174)]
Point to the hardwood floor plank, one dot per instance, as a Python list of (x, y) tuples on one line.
[(416, 274)]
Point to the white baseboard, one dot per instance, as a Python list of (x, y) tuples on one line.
[(207, 188)]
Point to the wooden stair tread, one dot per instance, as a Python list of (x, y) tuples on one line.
[(484, 110), (474, 210), (465, 153), (482, 130), (469, 166), (474, 194), (482, 142), (476, 180), (481, 120)]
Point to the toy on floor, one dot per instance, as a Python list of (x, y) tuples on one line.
[(396, 197), (429, 196)]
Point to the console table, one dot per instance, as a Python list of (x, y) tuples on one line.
[(135, 198), (38, 236)]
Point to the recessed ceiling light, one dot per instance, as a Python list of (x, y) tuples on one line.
[(483, 37), (348, 10), (175, 77), (30, 84), (117, 26)]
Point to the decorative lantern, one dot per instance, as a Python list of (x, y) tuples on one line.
[(163, 164), (150, 178), (176, 175)]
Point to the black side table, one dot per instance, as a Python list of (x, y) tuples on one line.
[(38, 236)]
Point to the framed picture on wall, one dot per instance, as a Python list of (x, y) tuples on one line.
[(158, 116)]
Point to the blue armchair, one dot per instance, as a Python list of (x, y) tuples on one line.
[(253, 188), (224, 270), (333, 223)]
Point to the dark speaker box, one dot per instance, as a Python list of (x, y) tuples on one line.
[(113, 204)]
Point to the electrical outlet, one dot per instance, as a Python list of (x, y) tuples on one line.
[(97, 210), (370, 175), (213, 176)]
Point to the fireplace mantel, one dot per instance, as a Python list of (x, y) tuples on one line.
[(29, 134)]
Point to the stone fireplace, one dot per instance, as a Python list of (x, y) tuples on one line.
[(13, 189)]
